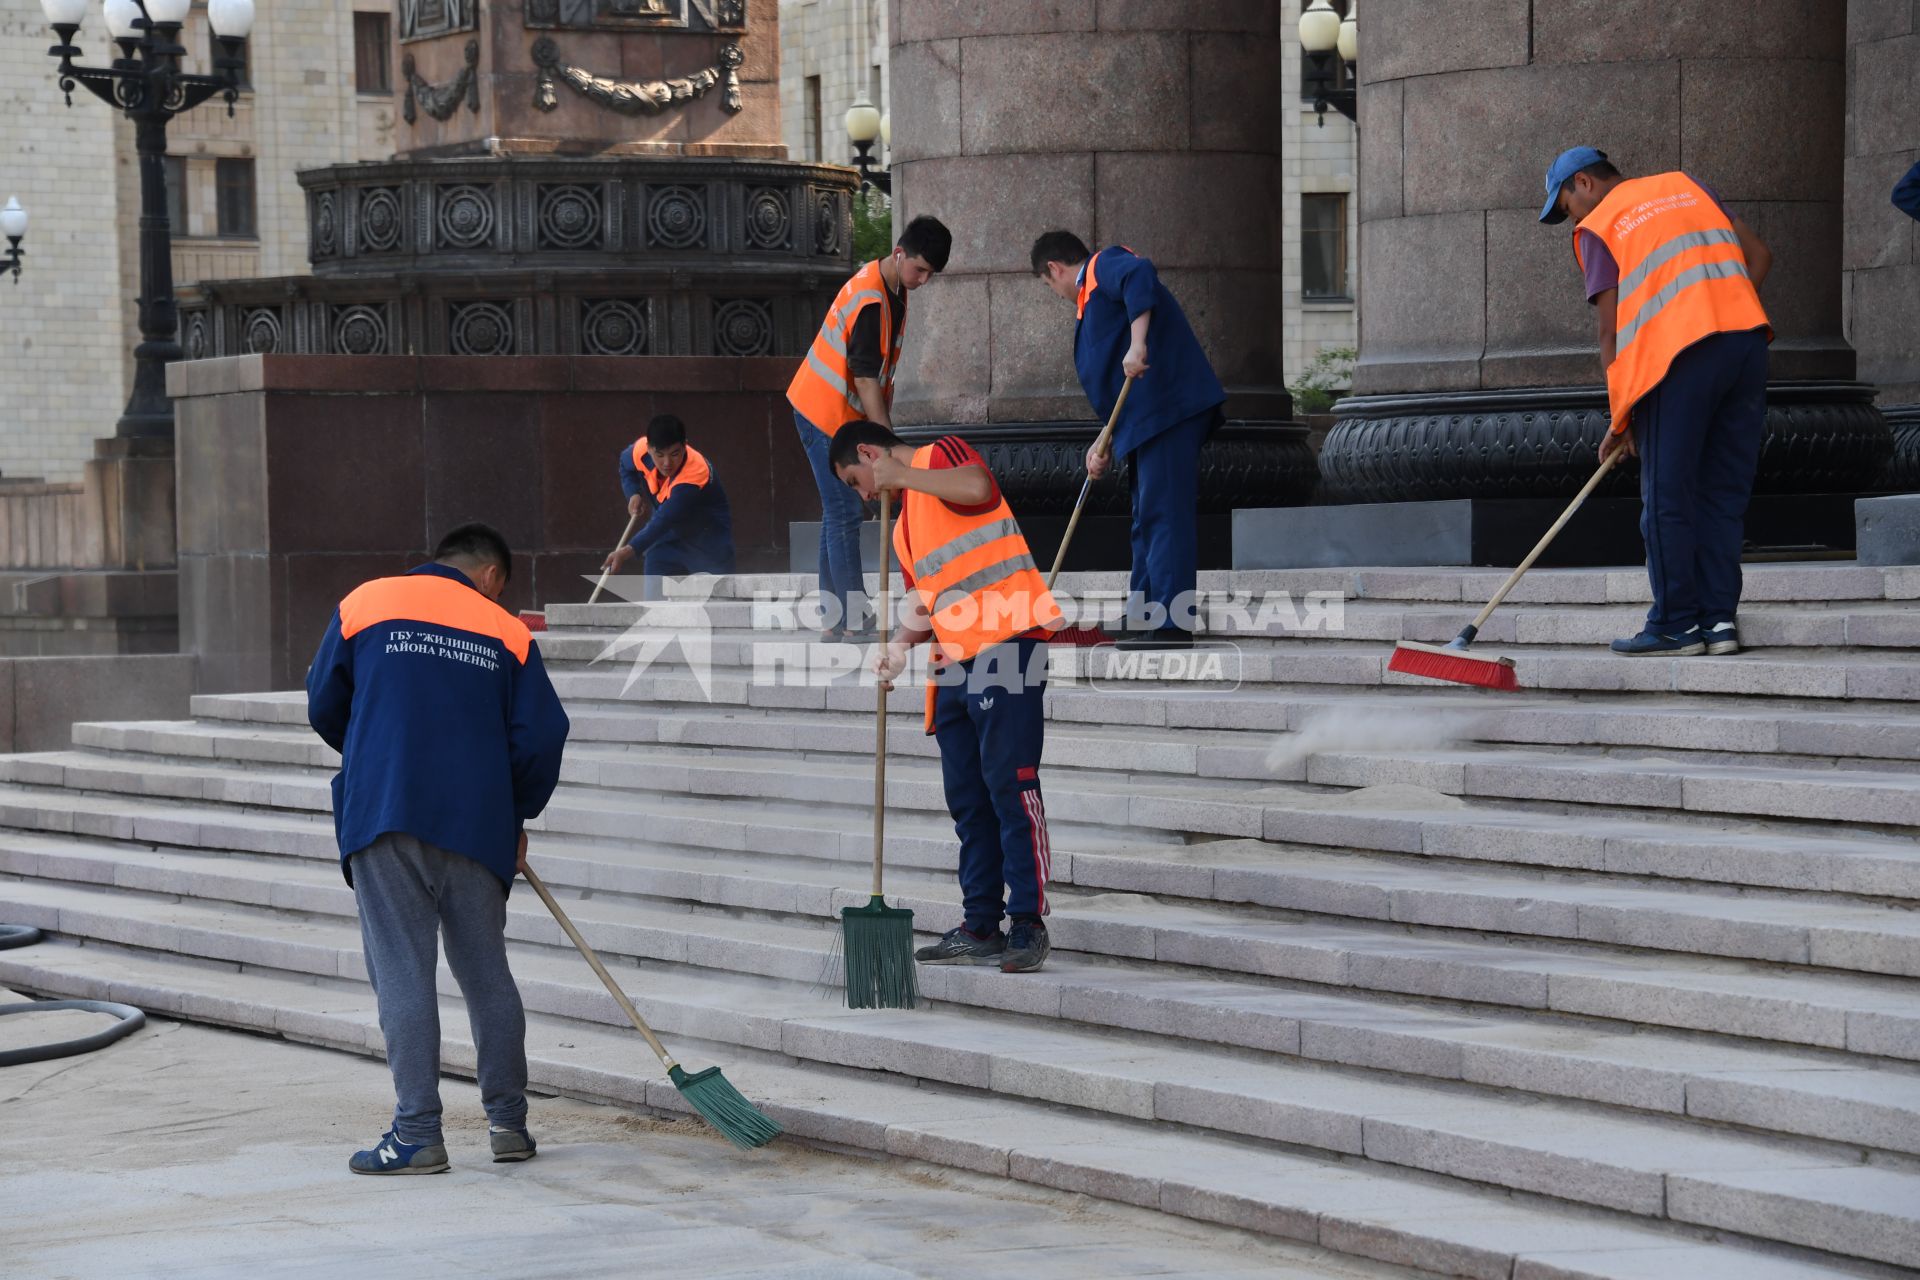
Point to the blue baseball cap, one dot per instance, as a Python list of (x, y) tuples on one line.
[(1570, 162)]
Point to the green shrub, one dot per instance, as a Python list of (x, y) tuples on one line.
[(872, 225), (1326, 377)]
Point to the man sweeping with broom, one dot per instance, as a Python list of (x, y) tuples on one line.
[(973, 588)]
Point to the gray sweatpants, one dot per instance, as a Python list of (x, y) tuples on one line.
[(409, 892)]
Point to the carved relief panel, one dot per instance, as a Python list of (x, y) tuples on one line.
[(425, 19), (638, 15)]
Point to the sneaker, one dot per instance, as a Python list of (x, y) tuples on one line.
[(957, 946), (1723, 638), (390, 1156), (1027, 947), (511, 1144), (1652, 644)]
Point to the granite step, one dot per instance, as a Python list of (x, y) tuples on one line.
[(1809, 1094), (1592, 1155), (1861, 1013), (1350, 1205), (1841, 933)]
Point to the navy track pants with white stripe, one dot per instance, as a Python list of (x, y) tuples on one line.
[(990, 726)]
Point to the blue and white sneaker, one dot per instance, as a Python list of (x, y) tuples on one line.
[(511, 1144), (1722, 638), (391, 1156), (1652, 644)]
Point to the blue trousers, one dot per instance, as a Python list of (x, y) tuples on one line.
[(1166, 501), (842, 577), (1698, 434), (675, 560), (990, 724)]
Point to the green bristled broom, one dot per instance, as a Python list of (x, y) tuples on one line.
[(718, 1102), (878, 939)]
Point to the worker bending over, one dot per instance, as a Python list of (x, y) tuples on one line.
[(1129, 326), (972, 588), (691, 529)]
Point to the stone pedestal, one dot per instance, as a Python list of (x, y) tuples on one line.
[(134, 483), (1463, 106), (301, 477), (1156, 125), (1881, 246)]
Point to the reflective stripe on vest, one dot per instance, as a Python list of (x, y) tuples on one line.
[(433, 601), (1683, 277), (973, 573), (694, 471), (822, 389)]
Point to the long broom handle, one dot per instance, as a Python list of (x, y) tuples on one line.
[(632, 520), (613, 988), (880, 702), (1540, 546), (1099, 445)]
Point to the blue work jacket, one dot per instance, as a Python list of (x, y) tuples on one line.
[(1116, 285)]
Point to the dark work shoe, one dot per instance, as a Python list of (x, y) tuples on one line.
[(1652, 644), (1027, 948), (1164, 638), (511, 1144), (1722, 638), (391, 1156), (957, 946)]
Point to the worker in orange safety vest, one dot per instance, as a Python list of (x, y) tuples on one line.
[(972, 588), (848, 376), (1674, 280)]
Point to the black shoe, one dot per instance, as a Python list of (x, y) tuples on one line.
[(957, 946), (1164, 638), (1652, 644), (1722, 638), (1027, 947)]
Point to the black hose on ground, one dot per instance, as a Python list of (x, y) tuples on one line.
[(127, 1018)]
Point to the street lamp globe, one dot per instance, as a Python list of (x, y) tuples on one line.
[(64, 13), (13, 219), (168, 10), (1319, 28), (1350, 34), (863, 121), (121, 15), (232, 19)]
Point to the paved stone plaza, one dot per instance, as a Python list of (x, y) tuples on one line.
[(207, 1154)]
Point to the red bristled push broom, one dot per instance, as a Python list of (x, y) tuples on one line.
[(1452, 661)]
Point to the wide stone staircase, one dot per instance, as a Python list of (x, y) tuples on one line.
[(1614, 976)]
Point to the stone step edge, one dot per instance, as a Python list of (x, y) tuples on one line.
[(1564, 1163), (1836, 945), (1476, 976), (1390, 1235), (1198, 1011), (738, 1025)]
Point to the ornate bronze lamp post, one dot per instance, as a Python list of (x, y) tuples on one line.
[(146, 84)]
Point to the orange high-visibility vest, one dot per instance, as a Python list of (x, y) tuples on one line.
[(1683, 277), (693, 472), (822, 389), (973, 573)]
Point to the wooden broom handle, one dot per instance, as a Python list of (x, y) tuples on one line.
[(613, 988), (632, 520), (1540, 546), (1100, 444), (885, 624)]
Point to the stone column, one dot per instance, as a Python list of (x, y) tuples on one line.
[(1478, 373), (1153, 123), (1881, 249)]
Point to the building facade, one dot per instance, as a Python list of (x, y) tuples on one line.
[(319, 91), (832, 52)]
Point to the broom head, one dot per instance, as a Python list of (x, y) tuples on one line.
[(1444, 662), (534, 619), (723, 1106), (879, 949), (1080, 637)]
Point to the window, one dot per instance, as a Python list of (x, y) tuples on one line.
[(372, 53), (1335, 75), (177, 195), (244, 52), (815, 151), (1323, 246), (233, 183)]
